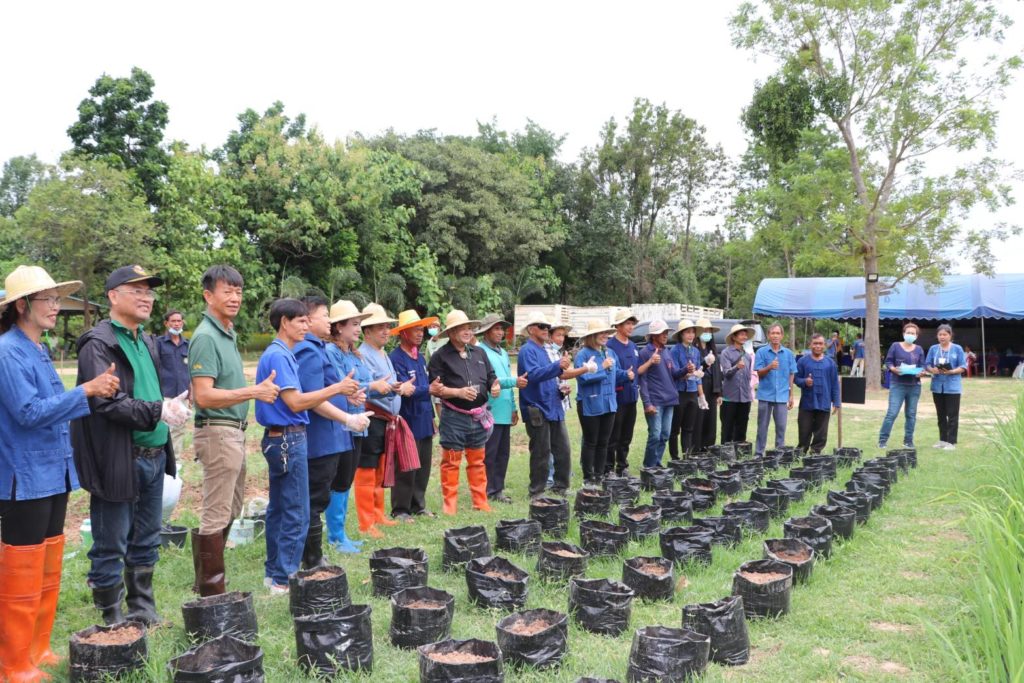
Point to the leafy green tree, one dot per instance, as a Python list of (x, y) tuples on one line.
[(19, 176)]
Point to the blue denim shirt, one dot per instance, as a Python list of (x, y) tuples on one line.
[(774, 386), (380, 367), (175, 377), (316, 371), (35, 415), (657, 388), (280, 359), (417, 410), (344, 363), (681, 355), (823, 394), (542, 389), (947, 384), (626, 390), (596, 390)]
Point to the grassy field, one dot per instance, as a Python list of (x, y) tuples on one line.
[(869, 613)]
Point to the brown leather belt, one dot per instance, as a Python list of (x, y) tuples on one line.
[(287, 429)]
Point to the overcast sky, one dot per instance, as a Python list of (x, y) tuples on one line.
[(569, 66)]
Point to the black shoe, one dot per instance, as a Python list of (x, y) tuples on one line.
[(141, 603), (108, 601), (313, 550)]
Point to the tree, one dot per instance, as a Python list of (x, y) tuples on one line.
[(891, 80), (20, 175)]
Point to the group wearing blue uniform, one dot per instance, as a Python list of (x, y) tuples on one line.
[(595, 396)]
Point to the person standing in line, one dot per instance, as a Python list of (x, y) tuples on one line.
[(174, 373), (905, 360), (627, 391), (555, 347), (686, 358), (776, 367), (834, 347), (736, 384), (595, 395), (706, 431), (36, 469), (818, 379), (946, 363), (658, 392), (857, 369)]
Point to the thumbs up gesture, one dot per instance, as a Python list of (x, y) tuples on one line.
[(358, 422), (266, 390), (496, 389), (436, 387), (522, 381), (656, 358), (105, 384), (348, 386), (565, 361)]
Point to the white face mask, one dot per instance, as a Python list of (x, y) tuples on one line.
[(432, 331), (910, 338), (705, 337), (748, 346), (176, 331)]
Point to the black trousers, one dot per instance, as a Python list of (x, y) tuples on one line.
[(947, 407), (548, 440), (30, 522), (706, 430), (322, 472), (735, 416), (684, 421), (347, 463), (812, 426), (409, 494), (597, 429), (496, 453), (621, 437)]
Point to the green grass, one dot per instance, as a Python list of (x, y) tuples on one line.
[(867, 614)]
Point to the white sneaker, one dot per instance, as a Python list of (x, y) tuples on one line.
[(950, 447), (939, 444), (277, 589)]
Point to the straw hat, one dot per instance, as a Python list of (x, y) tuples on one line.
[(706, 325), (595, 326), (376, 315), (621, 315), (345, 310), (456, 318), (657, 327), (684, 324), (410, 319), (536, 318), (489, 321), (28, 280), (738, 327)]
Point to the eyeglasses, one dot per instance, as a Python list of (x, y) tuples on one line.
[(52, 301), (140, 293)]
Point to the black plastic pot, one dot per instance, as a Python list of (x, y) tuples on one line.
[(813, 530), (395, 569), (770, 460), (875, 478), (794, 552), (463, 544), (909, 453), (776, 501), (651, 578), (496, 582), (793, 488), (641, 520), (724, 621), (171, 535), (676, 506), (100, 662), (591, 502), (858, 501), (751, 472), (588, 679), (744, 449), (725, 529), (221, 660), (517, 535), (706, 465), (435, 669), (310, 594), (686, 544), (846, 456), (723, 452), (536, 637), (843, 519), (703, 491), (753, 516), (728, 483), (326, 644), (600, 605), (812, 475), (656, 479), (553, 515), (900, 459), (887, 468), (663, 653), (420, 615), (874, 493), (228, 614), (763, 599), (681, 469), (827, 463), (602, 538), (561, 560), (786, 456)]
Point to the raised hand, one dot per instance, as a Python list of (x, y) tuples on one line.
[(348, 386), (266, 390), (630, 374), (522, 381), (565, 361), (105, 384), (496, 389), (358, 422), (608, 362), (436, 387), (656, 357), (468, 393)]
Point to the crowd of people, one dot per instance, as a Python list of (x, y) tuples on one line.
[(338, 412)]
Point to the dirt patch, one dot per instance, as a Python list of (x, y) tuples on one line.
[(529, 628), (890, 627), (323, 575), (800, 555), (458, 658), (652, 568), (948, 535), (498, 574), (543, 504), (564, 553), (424, 604), (638, 516), (869, 665), (761, 578), (120, 636), (702, 487), (822, 652), (759, 654), (914, 576)]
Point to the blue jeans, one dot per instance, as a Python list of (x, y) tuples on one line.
[(659, 426), (900, 394), (288, 508), (127, 534), (767, 411)]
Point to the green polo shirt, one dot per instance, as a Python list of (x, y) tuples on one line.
[(213, 352), (147, 381)]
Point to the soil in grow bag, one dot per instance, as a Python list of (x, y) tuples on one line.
[(874, 493), (420, 616), (601, 538), (99, 653), (723, 452), (858, 501), (496, 582), (600, 606), (681, 469), (765, 586), (327, 644), (843, 519), (728, 483), (813, 530), (463, 544), (553, 515), (676, 506), (846, 456), (651, 578), (663, 653), (703, 491), (793, 488), (776, 501), (724, 621), (725, 529), (229, 614), (561, 560), (221, 660), (641, 520), (827, 463), (656, 479), (754, 516), (751, 472), (517, 535), (395, 569), (686, 544), (536, 637), (812, 475), (591, 502), (706, 465), (461, 661), (795, 553), (622, 489), (744, 449), (318, 590)]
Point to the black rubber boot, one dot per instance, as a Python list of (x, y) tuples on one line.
[(313, 552), (141, 603), (108, 601), (194, 542)]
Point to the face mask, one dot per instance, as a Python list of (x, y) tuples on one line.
[(910, 338), (748, 346), (176, 331), (432, 331), (705, 337)]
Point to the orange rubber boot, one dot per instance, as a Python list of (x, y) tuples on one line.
[(21, 583), (378, 507), (450, 463), (476, 474), (364, 483), (53, 558)]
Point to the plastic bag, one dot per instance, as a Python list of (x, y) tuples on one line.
[(728, 483), (686, 544), (463, 544), (656, 479), (461, 661), (230, 614), (813, 530), (318, 590), (770, 459), (706, 464), (420, 615), (814, 476), (794, 552), (751, 472), (858, 501), (496, 582), (725, 529), (723, 452), (601, 538), (753, 516), (622, 489), (517, 535), (395, 569), (909, 453), (681, 469), (536, 637), (327, 643), (641, 520), (843, 519), (776, 500), (591, 502), (676, 506), (765, 586), (600, 606), (725, 623), (900, 459), (99, 662), (553, 515), (875, 478), (793, 488), (703, 491), (221, 660), (651, 578), (744, 449), (827, 463), (663, 653), (561, 560), (889, 469), (846, 456)]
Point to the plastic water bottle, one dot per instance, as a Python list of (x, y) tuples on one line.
[(85, 531)]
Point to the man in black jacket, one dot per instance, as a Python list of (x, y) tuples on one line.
[(123, 448)]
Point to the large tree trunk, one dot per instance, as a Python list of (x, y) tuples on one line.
[(872, 346)]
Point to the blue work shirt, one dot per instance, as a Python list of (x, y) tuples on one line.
[(823, 394), (898, 356), (35, 415), (503, 406), (380, 367), (596, 390), (681, 355), (774, 386), (858, 349), (657, 387), (345, 362), (542, 391), (316, 371), (175, 377), (947, 384), (416, 409), (278, 357), (628, 356)]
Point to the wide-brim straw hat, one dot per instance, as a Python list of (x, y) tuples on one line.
[(621, 315), (28, 280), (705, 324), (738, 327), (656, 327), (489, 321), (456, 318), (534, 319), (684, 324), (344, 309), (595, 326), (376, 315), (410, 319)]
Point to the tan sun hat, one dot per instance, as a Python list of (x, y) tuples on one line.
[(595, 326), (738, 327), (344, 309), (456, 318), (536, 318), (376, 315), (621, 315), (489, 321), (684, 324), (27, 280), (410, 319), (706, 324), (657, 327)]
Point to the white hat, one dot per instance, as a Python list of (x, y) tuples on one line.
[(456, 318), (621, 315), (706, 324), (595, 326), (738, 327), (657, 327), (536, 318), (376, 315), (345, 310), (684, 324), (28, 280)]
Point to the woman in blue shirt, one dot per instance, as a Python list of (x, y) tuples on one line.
[(595, 394), (688, 375), (946, 363), (36, 468), (905, 360)]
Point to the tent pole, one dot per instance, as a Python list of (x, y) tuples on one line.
[(984, 360)]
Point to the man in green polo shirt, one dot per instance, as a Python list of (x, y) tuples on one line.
[(222, 399)]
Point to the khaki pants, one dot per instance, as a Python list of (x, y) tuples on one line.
[(178, 438), (221, 451)]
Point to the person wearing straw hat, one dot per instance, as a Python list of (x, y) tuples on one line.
[(503, 407), (706, 431), (686, 358), (409, 495), (462, 377), (736, 391), (658, 391), (555, 346), (36, 468), (596, 398), (776, 368), (627, 390)]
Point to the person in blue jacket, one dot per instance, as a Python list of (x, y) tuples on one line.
[(776, 367), (904, 361), (686, 358), (627, 391), (595, 396), (818, 379), (658, 391), (946, 363)]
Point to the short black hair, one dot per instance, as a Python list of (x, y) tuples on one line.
[(173, 311), (315, 301), (285, 308), (817, 335), (221, 273)]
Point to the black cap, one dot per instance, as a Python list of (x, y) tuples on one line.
[(127, 274)]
